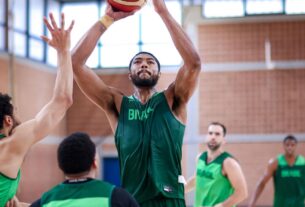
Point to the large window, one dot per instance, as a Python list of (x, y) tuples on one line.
[(240, 8), (27, 26), (144, 31), (17, 38)]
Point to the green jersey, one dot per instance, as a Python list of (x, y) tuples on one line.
[(289, 183), (8, 186), (91, 192), (212, 187), (149, 142)]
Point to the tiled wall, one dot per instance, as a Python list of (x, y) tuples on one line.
[(242, 42), (254, 102)]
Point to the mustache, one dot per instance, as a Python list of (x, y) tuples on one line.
[(144, 71)]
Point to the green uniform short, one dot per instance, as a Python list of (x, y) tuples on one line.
[(289, 183), (149, 142)]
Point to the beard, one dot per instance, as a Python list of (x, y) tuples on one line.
[(151, 82), (214, 147)]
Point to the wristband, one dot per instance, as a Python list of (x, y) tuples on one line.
[(106, 20)]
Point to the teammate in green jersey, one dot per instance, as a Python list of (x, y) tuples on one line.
[(148, 126), (16, 139), (219, 180), (288, 172), (76, 157)]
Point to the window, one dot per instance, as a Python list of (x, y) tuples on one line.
[(36, 9), (295, 7), (223, 8), (142, 31), (240, 8), (18, 43), (264, 7), (27, 27)]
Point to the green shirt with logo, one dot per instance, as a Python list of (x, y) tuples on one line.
[(212, 187), (289, 183), (149, 142)]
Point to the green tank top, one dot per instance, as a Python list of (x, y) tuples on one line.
[(149, 142), (212, 187), (8, 186), (93, 193), (289, 183)]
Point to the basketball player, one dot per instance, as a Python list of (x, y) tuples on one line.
[(288, 172), (148, 125), (16, 139), (76, 157), (219, 180)]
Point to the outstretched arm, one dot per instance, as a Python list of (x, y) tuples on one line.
[(272, 166), (188, 74), (236, 177), (30, 132), (89, 82), (191, 182)]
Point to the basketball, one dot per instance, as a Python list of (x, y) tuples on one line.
[(126, 5)]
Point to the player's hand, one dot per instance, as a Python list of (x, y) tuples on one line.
[(117, 15), (13, 202), (60, 37)]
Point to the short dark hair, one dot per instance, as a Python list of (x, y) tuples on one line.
[(224, 129), (76, 153), (6, 107), (148, 53), (290, 137)]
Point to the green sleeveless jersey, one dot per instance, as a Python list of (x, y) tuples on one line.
[(212, 187), (289, 183), (8, 186), (93, 193), (149, 142)]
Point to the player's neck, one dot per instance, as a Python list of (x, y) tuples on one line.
[(212, 155), (144, 94), (290, 156), (80, 176)]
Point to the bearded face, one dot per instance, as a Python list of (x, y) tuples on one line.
[(144, 71), (213, 146), (215, 137), (149, 82)]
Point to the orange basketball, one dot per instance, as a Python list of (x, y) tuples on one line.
[(127, 5)]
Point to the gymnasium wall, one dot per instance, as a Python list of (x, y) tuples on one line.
[(4, 76)]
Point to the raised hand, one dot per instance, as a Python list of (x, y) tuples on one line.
[(60, 37), (116, 15)]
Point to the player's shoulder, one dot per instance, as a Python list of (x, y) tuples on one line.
[(230, 162)]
